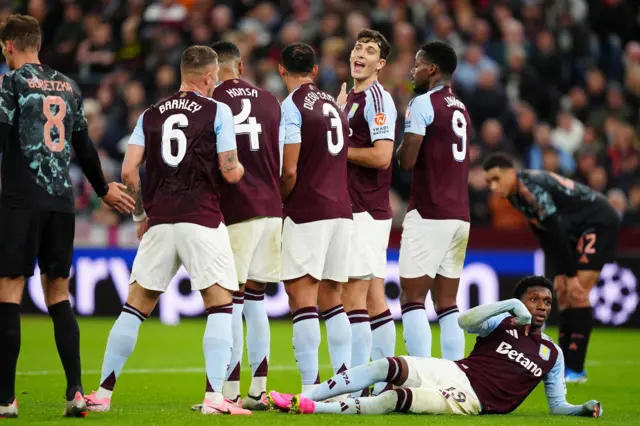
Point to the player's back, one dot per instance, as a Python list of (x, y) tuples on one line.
[(439, 189), (44, 108), (257, 120), (182, 173), (505, 366), (321, 185)]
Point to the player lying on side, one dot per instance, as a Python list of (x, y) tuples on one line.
[(578, 231), (510, 358)]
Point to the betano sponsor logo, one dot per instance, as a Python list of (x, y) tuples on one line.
[(519, 358)]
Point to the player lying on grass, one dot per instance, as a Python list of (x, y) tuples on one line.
[(510, 358)]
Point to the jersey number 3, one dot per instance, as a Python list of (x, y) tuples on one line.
[(459, 127), (54, 120), (335, 123), (172, 133)]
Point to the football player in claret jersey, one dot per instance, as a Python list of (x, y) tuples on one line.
[(578, 231), (252, 211), (510, 358), (437, 131), (41, 118), (317, 211), (189, 146), (372, 123)]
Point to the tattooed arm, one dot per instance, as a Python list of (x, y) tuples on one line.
[(232, 170), (131, 178)]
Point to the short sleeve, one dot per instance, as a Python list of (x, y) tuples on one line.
[(281, 131), (538, 198), (8, 101), (224, 128), (554, 384), (487, 327), (292, 122), (79, 118), (381, 114), (419, 115), (137, 136)]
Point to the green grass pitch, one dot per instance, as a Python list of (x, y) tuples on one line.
[(165, 376)]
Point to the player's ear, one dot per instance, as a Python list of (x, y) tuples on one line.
[(381, 64), (314, 71), (281, 70), (240, 68)]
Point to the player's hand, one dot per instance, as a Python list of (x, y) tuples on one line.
[(341, 100), (118, 198), (593, 408), (141, 228)]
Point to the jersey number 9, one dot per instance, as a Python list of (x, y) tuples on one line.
[(459, 127)]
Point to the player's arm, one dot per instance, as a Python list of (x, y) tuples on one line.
[(483, 319), (230, 167), (382, 129), (554, 234), (291, 151), (555, 390), (419, 116), (133, 159), (8, 106)]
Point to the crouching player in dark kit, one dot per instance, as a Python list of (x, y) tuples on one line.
[(510, 358), (578, 231)]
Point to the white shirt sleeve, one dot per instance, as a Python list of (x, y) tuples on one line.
[(381, 114), (137, 136), (224, 129), (281, 131), (292, 122), (554, 384), (487, 327), (419, 115)]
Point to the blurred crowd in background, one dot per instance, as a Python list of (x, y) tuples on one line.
[(556, 83)]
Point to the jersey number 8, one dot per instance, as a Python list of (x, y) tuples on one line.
[(54, 120), (329, 110), (459, 127), (169, 133)]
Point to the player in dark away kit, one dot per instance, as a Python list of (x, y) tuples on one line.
[(510, 358), (577, 229), (41, 118)]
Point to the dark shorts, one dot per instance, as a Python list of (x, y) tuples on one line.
[(30, 234), (597, 247)]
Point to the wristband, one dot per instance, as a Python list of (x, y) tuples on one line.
[(140, 218)]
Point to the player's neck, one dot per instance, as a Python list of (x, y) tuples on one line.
[(190, 87), (294, 82), (25, 58), (227, 73), (362, 85), (440, 82)]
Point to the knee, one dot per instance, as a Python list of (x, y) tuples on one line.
[(329, 295), (408, 295), (56, 292), (11, 290)]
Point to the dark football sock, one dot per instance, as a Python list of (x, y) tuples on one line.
[(67, 335), (9, 350), (565, 331), (581, 325)]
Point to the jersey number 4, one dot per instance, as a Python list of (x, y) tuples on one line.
[(54, 120), (459, 127), (246, 125)]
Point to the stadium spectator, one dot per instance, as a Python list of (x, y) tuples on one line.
[(520, 64)]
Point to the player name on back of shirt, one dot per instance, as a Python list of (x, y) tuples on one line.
[(312, 97), (242, 91), (453, 102), (186, 104)]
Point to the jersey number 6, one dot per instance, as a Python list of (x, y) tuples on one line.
[(459, 127), (169, 134), (54, 120)]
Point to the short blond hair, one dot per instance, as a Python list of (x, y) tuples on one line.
[(23, 30), (196, 58)]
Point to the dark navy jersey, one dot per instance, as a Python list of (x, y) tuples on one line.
[(44, 109), (541, 194)]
